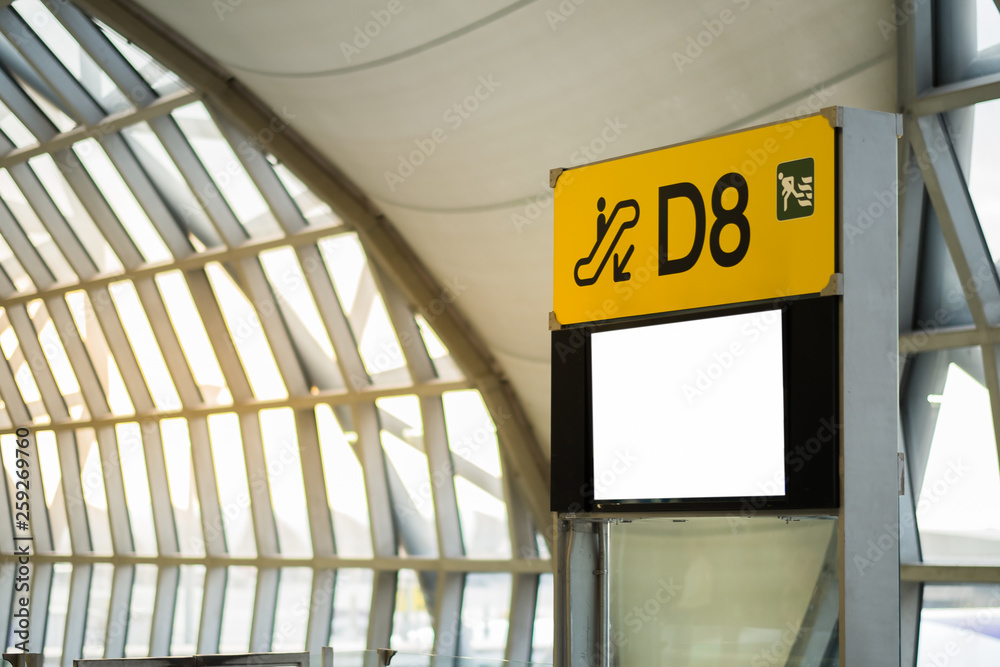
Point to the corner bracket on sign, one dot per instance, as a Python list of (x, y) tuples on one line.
[(834, 115), (554, 176), (554, 324), (835, 287)]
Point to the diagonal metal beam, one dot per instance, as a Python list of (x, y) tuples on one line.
[(959, 223), (944, 98), (213, 596), (38, 613), (435, 438), (76, 613), (321, 610), (118, 611), (265, 602), (107, 125), (164, 605)]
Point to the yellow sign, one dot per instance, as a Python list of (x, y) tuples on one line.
[(732, 219)]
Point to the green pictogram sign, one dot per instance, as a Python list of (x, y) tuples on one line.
[(796, 189)]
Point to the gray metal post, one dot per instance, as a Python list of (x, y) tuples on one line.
[(578, 597), (869, 519)]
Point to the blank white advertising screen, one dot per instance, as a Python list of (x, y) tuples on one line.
[(689, 409)]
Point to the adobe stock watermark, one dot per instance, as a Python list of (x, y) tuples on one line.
[(639, 617), (795, 460), (589, 151), (390, 354), (564, 10), (714, 27), (444, 474), (887, 542), (454, 117), (722, 362), (902, 12), (970, 630), (250, 148), (363, 35), (777, 652)]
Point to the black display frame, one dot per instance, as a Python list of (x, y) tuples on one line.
[(811, 379)]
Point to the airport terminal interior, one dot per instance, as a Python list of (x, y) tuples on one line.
[(275, 280)]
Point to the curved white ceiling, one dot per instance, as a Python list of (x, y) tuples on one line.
[(535, 81)]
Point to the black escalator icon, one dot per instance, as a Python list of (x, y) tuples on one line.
[(605, 245)]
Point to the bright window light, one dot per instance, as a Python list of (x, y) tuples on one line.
[(248, 335), (144, 345), (137, 497)]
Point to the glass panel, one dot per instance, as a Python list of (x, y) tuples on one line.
[(144, 345), (72, 56), (162, 80), (137, 497), (234, 494), (34, 229), (485, 615), (444, 365), (23, 377), (92, 480), (237, 611), (55, 354), (140, 619), (543, 631), (379, 347), (75, 214), (345, 262), (402, 434), (352, 599), (14, 129), (412, 630), (48, 462), (245, 329), (98, 607), (14, 270), (291, 619), (284, 472), (187, 617), (484, 521), (122, 201), (55, 625), (987, 24), (62, 122), (89, 330), (984, 170), (315, 211), (180, 478), (167, 178), (345, 487), (193, 338), (226, 171), (471, 432), (958, 626), (722, 590), (25, 381), (962, 476), (285, 275)]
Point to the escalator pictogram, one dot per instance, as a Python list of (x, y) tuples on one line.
[(605, 245)]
